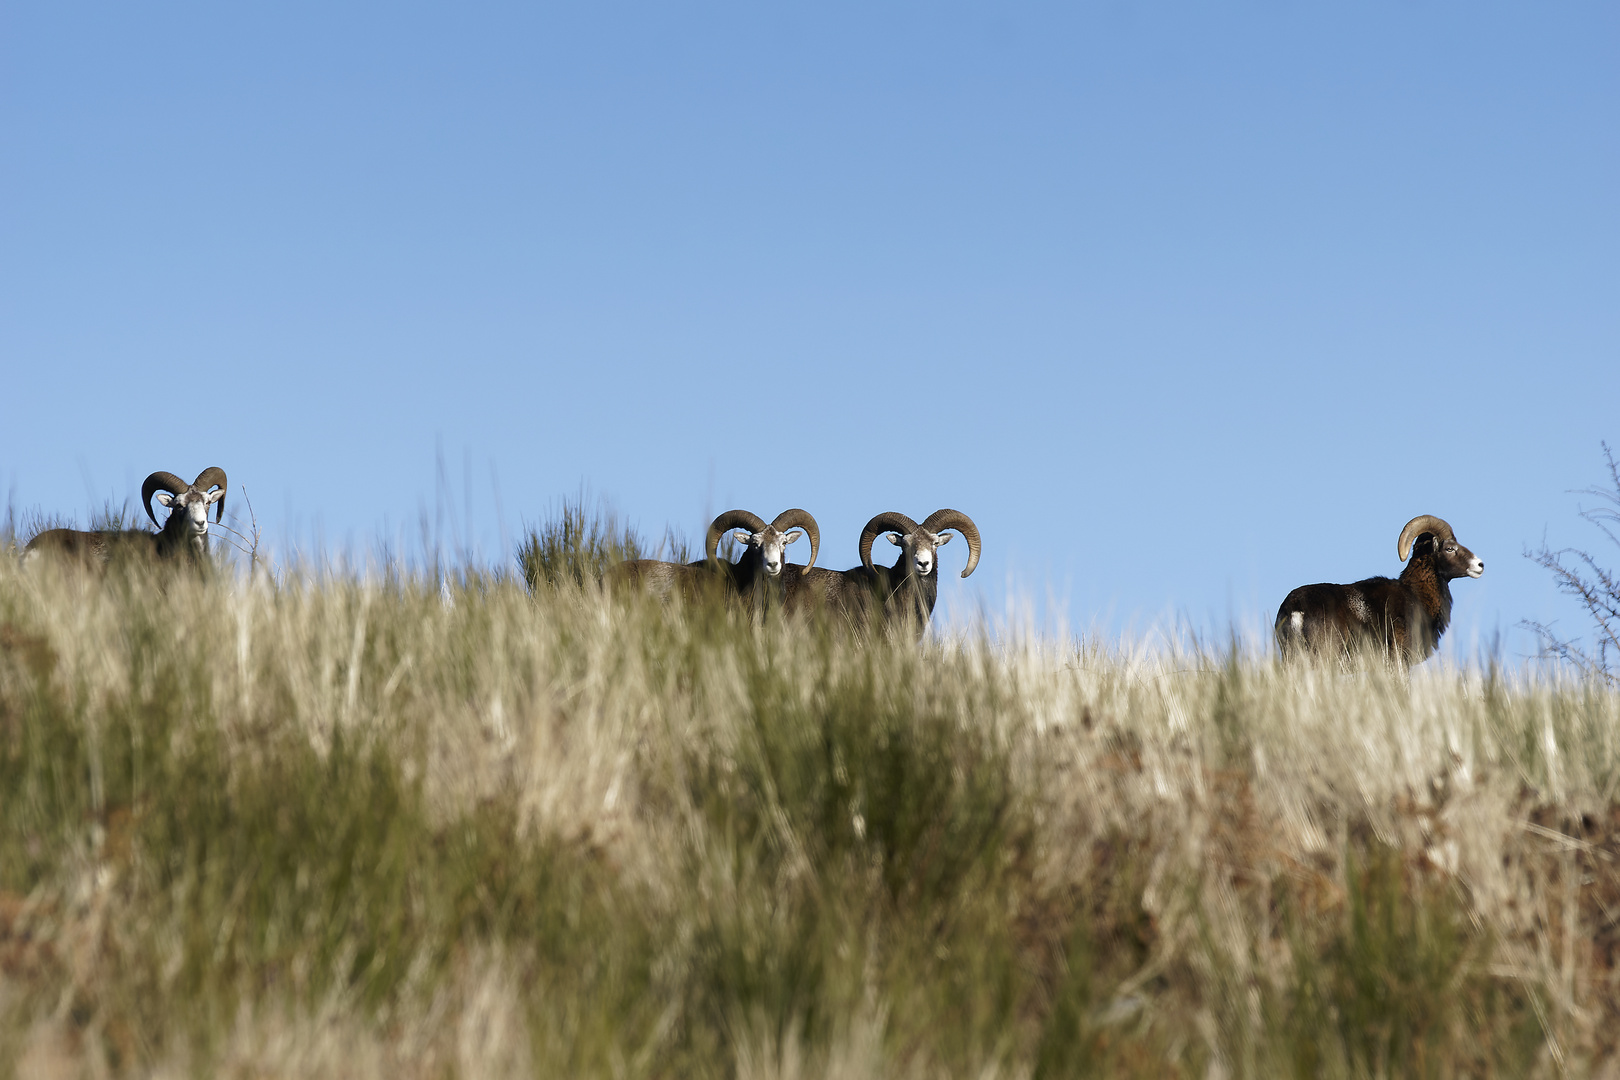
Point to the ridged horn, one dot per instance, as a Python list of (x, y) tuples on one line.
[(889, 519), (160, 481), (731, 519), (788, 519), (1423, 523), (940, 520), (211, 477)]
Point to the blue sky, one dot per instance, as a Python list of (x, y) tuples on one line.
[(1185, 304)]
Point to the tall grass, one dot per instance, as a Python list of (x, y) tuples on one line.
[(350, 826)]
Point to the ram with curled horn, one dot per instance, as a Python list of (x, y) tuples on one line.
[(183, 535), (762, 566), (904, 592), (1403, 617), (763, 561)]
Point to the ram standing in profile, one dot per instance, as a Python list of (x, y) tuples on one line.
[(1404, 617)]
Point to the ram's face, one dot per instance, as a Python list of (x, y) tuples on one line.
[(772, 546), (192, 505), (1457, 561), (1451, 559), (920, 547)]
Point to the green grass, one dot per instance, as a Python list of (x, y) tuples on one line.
[(350, 827)]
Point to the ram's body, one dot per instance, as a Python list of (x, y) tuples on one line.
[(1402, 617), (101, 547), (662, 580)]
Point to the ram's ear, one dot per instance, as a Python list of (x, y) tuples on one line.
[(743, 537), (165, 499), (896, 539), (944, 538), (215, 495), (793, 537)]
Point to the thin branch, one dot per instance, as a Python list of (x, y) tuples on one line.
[(1597, 588), (226, 528), (227, 541)]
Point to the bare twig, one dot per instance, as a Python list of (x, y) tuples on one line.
[(231, 543), (220, 525), (253, 528), (1577, 573)]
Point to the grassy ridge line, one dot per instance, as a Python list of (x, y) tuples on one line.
[(337, 827)]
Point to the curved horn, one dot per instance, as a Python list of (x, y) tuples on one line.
[(940, 520), (211, 477), (889, 519), (731, 519), (787, 519), (160, 481), (1423, 523)]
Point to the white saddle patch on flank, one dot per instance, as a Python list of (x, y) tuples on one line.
[(1359, 608), (1297, 622)]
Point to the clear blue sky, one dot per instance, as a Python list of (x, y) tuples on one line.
[(1185, 304)]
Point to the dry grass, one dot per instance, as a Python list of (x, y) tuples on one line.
[(336, 826)]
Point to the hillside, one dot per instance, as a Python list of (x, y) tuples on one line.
[(346, 826)]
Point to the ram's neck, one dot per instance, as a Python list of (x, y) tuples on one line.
[(903, 575), (175, 537), (1432, 592)]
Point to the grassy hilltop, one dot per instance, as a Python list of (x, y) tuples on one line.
[(348, 828)]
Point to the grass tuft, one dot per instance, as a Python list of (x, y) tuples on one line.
[(576, 547)]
